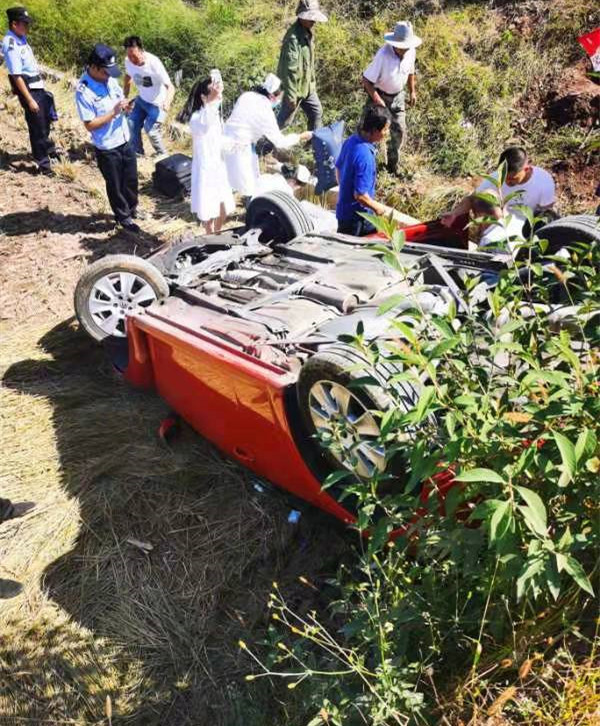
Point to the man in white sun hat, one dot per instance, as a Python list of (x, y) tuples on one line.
[(297, 67), (391, 71)]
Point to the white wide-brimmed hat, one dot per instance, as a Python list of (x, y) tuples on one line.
[(271, 84), (310, 10), (403, 36)]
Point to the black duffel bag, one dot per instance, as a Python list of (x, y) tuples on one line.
[(173, 176)]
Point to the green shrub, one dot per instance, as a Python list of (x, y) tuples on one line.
[(508, 402)]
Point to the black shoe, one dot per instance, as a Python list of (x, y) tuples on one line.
[(9, 588), (6, 509), (130, 226), (59, 155), (45, 170)]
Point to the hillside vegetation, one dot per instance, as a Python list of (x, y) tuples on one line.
[(484, 67)]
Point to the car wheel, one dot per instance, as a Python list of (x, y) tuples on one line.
[(335, 402), (112, 287), (570, 230), (279, 216)]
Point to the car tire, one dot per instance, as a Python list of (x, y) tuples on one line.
[(280, 217), (577, 228), (340, 367), (108, 289)]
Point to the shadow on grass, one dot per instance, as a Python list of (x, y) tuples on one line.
[(94, 226), (21, 223), (172, 564)]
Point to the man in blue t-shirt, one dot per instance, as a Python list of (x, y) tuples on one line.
[(357, 173), (101, 106), (28, 85)]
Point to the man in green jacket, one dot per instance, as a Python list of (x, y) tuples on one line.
[(297, 67)]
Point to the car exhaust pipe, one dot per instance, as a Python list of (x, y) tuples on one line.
[(342, 300)]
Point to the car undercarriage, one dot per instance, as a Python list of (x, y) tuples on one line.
[(246, 333)]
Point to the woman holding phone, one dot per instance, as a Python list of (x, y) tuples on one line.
[(211, 195)]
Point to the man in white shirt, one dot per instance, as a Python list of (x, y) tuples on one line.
[(155, 94), (525, 185), (390, 72), (499, 227)]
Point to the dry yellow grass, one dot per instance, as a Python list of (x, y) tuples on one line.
[(97, 616)]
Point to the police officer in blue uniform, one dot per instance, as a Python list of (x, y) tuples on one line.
[(28, 86), (102, 107)]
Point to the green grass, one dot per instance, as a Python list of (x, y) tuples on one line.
[(481, 74)]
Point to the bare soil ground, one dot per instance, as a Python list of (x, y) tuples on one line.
[(574, 99), (97, 616)]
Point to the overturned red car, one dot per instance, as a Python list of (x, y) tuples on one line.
[(239, 333)]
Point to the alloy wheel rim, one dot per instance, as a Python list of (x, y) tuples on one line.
[(113, 296), (342, 417)]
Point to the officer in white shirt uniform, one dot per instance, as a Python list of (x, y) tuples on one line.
[(102, 108), (28, 86), (155, 94), (390, 72)]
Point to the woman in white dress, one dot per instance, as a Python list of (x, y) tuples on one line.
[(211, 195), (252, 118)]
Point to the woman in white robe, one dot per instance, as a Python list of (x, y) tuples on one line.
[(252, 118), (211, 195)]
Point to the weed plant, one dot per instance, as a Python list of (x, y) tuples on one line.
[(462, 613)]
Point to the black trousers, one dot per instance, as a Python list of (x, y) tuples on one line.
[(119, 169), (38, 125), (357, 226)]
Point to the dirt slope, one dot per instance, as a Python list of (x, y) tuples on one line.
[(97, 616)]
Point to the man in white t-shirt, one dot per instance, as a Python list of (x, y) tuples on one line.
[(155, 94), (390, 72), (499, 227), (525, 185)]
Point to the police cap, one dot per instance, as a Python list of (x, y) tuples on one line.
[(104, 56), (18, 14)]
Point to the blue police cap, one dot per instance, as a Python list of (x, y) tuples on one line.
[(18, 14), (105, 57)]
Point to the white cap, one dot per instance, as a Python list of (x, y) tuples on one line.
[(271, 83), (302, 174)]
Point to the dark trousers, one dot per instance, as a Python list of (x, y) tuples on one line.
[(312, 110), (396, 105), (119, 169), (357, 227), (38, 125)]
